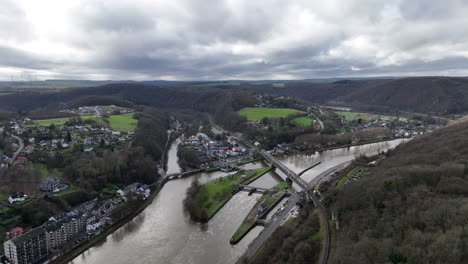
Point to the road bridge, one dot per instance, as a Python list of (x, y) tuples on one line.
[(181, 174), (287, 171), (306, 187)]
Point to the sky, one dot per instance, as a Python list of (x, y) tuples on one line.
[(231, 39)]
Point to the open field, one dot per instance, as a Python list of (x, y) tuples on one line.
[(71, 189), (124, 122), (219, 84), (282, 185), (45, 173), (214, 194), (302, 121), (58, 121), (358, 115), (110, 189), (2, 93), (278, 85), (258, 113)]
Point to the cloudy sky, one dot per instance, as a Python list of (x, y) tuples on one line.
[(231, 39)]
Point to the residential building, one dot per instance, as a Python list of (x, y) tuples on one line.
[(14, 232), (88, 141), (29, 149), (64, 229), (22, 160), (17, 197), (50, 185), (28, 248)]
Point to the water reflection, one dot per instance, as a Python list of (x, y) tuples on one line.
[(164, 233)]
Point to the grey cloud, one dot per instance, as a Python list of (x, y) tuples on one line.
[(13, 23), (11, 57), (215, 39)]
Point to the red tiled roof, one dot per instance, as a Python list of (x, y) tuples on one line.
[(16, 230)]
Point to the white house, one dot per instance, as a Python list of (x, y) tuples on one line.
[(17, 197)]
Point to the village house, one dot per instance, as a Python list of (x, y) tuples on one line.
[(14, 232), (139, 189), (50, 185), (88, 149), (17, 197), (22, 160), (28, 149), (88, 141)]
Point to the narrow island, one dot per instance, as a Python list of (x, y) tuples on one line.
[(204, 200)]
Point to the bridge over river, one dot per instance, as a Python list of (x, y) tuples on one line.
[(306, 187)]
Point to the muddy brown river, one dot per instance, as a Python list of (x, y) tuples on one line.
[(164, 233)]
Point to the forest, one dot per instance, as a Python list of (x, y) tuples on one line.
[(411, 208)]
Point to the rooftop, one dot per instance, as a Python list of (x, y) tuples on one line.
[(29, 235)]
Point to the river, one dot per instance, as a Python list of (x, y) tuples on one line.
[(164, 233)]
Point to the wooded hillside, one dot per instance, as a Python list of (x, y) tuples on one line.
[(411, 208)]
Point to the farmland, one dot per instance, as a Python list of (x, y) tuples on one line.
[(124, 122), (358, 115), (302, 121), (258, 113), (58, 121)]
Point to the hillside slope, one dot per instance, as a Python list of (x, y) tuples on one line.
[(411, 208), (435, 95)]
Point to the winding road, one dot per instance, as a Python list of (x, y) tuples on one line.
[(20, 147)]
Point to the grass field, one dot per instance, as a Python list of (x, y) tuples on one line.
[(218, 84), (281, 186), (58, 121), (258, 113), (42, 168), (358, 115), (71, 189), (110, 189), (5, 93), (302, 121), (124, 122), (214, 194), (278, 85)]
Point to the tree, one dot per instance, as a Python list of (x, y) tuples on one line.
[(68, 137)]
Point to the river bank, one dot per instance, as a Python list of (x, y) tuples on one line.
[(69, 256), (346, 146), (165, 233), (207, 199)]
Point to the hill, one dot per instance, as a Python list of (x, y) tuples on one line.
[(411, 208), (222, 104), (435, 95), (431, 95)]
